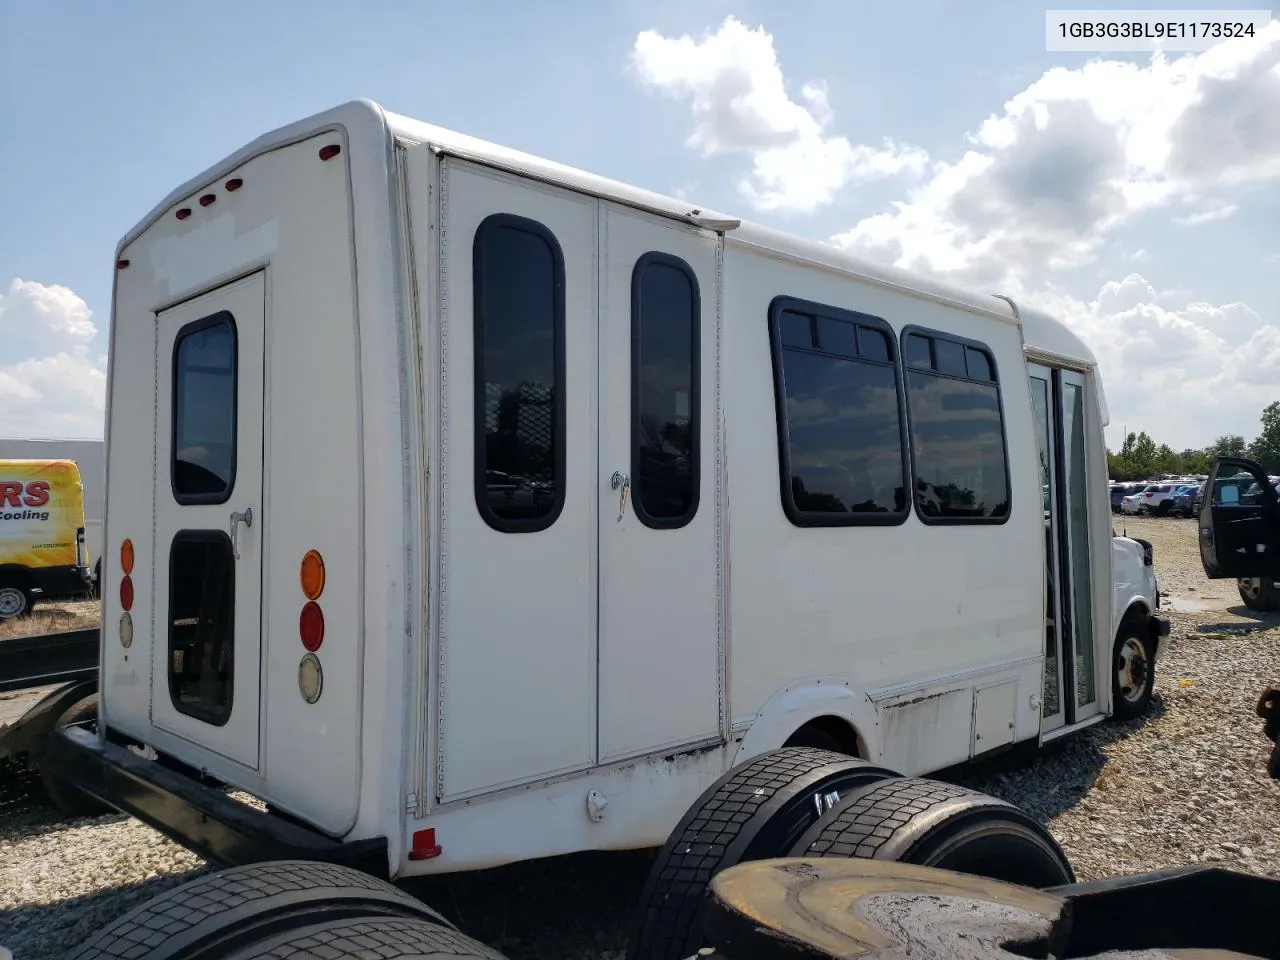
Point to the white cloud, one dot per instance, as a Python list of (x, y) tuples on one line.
[(739, 101), (1215, 210), (1081, 151), (1185, 372), (36, 316), (59, 387)]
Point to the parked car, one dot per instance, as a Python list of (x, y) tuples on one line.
[(1121, 490), (1153, 499), (1184, 502)]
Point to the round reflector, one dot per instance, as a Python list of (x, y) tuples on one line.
[(311, 626), (126, 592), (126, 630), (312, 575), (310, 678), (126, 557)]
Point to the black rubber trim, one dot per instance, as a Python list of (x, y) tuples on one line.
[(201, 818)]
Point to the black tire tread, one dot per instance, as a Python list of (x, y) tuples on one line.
[(387, 938), (134, 935), (671, 900), (870, 820)]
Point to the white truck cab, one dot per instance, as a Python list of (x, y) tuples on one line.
[(466, 508)]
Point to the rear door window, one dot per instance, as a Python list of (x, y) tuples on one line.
[(203, 468)]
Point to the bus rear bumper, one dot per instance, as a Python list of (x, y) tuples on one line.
[(200, 817)]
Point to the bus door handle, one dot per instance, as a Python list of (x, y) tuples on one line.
[(620, 479), (236, 519)]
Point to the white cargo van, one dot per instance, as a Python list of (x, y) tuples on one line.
[(467, 508)]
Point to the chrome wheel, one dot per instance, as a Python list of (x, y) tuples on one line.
[(1132, 667), (1250, 589)]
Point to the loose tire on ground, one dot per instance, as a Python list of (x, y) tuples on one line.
[(1133, 673), (756, 810), (935, 824), (1259, 594), (215, 914), (71, 801), (361, 938)]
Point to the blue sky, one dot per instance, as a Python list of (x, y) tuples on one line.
[(1140, 201)]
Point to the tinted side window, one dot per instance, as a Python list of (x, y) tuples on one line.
[(664, 391), (203, 441), (839, 421), (519, 374), (957, 434)]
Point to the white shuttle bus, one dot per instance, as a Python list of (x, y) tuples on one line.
[(465, 508)]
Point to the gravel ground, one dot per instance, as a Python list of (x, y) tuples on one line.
[(1187, 783)]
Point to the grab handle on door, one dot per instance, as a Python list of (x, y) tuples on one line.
[(620, 479), (236, 519)]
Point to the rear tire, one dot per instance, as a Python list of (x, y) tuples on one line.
[(1259, 594), (235, 909), (755, 811), (357, 938), (72, 802), (936, 824)]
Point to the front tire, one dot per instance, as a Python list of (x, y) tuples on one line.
[(15, 600), (1133, 674), (1259, 594)]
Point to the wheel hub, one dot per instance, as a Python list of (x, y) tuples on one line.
[(1132, 669), (12, 602)]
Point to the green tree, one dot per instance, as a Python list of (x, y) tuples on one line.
[(1194, 461), (1266, 446), (1228, 445), (1143, 456)]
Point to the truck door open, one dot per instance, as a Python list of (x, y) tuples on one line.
[(1239, 522)]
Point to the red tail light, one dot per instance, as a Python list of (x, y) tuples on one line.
[(311, 626)]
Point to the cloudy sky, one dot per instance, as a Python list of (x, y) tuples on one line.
[(1135, 196)]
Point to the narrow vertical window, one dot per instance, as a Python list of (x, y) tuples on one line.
[(841, 443), (665, 316), (203, 440), (202, 624), (519, 374), (957, 430)]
